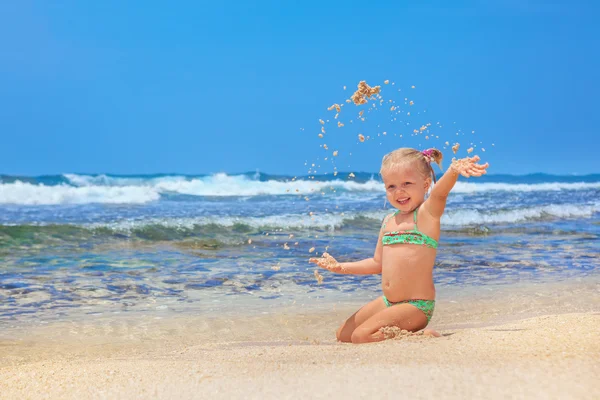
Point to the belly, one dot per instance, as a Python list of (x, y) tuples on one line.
[(407, 273)]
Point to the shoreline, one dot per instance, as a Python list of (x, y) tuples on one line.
[(529, 340), (456, 306)]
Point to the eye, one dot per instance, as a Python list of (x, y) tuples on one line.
[(391, 186)]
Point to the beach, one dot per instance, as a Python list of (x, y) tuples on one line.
[(172, 175), (501, 351), (175, 287)]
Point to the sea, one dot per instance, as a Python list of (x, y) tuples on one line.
[(76, 245)]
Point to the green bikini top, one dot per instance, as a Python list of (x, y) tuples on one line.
[(414, 236)]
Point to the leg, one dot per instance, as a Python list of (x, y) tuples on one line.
[(403, 316), (344, 332)]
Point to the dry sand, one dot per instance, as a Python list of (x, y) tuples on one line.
[(553, 356)]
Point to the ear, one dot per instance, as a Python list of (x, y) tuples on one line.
[(427, 184)]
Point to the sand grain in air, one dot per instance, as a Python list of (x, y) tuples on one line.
[(336, 106), (364, 92), (318, 276)]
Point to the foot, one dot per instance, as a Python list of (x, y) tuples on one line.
[(431, 332)]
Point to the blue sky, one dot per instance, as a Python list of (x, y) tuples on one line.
[(203, 87)]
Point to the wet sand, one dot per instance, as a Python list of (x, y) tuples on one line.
[(509, 354)]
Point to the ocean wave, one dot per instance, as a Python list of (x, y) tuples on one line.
[(333, 221), (104, 189), (84, 189), (38, 194), (211, 227), (233, 185), (551, 211), (470, 187), (222, 184), (226, 185)]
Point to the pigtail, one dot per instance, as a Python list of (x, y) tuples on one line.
[(433, 155)]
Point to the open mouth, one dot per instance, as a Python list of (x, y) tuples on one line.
[(403, 201)]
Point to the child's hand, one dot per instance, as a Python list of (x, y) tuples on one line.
[(327, 262), (467, 167)]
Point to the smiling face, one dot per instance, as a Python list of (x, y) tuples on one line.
[(405, 186)]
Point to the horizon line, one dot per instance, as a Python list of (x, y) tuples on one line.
[(263, 173)]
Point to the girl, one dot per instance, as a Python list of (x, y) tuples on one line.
[(406, 247)]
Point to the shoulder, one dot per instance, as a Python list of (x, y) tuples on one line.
[(424, 212), (387, 218), (428, 223)]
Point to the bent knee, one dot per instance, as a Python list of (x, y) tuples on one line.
[(343, 336), (359, 336)]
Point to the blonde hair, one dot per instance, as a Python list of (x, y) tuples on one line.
[(422, 160)]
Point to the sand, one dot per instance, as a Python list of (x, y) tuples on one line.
[(552, 356), (520, 341)]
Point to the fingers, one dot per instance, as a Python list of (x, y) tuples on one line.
[(326, 262), (480, 168), (475, 170), (471, 168), (473, 159), (323, 256), (321, 264), (318, 261)]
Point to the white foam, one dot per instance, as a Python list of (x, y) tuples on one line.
[(331, 221), (290, 221), (226, 185), (471, 187), (240, 185), (475, 217), (83, 189), (27, 194)]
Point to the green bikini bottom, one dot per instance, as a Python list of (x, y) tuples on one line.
[(426, 306)]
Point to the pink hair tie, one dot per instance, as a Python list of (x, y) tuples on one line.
[(428, 155)]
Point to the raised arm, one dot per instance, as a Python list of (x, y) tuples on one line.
[(467, 167)]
